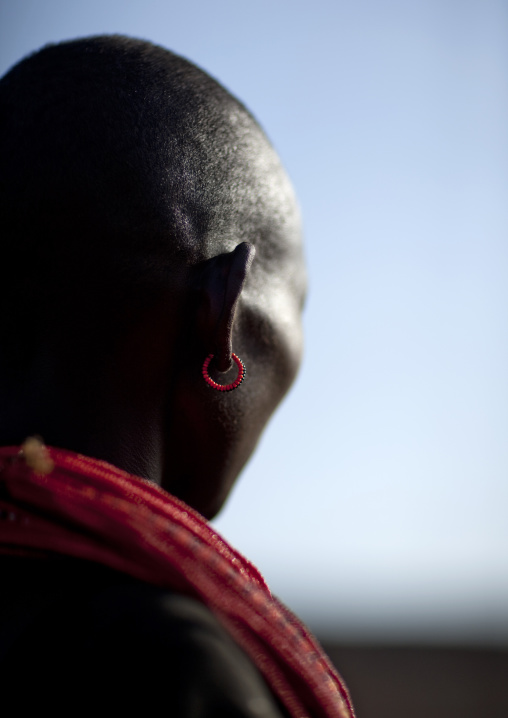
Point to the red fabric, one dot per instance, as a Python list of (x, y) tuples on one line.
[(89, 509)]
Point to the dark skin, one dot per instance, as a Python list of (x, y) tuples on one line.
[(146, 223), (147, 408), (135, 397)]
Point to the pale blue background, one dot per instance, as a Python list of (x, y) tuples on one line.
[(377, 503)]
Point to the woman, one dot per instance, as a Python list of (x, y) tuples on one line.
[(151, 320)]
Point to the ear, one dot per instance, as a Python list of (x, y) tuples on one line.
[(222, 285)]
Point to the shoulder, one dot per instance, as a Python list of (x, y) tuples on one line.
[(123, 644), (177, 646)]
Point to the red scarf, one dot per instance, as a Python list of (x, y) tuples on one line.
[(65, 503)]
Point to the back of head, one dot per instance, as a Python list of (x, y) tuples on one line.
[(120, 160), (126, 174)]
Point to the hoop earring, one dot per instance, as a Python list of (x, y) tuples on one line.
[(224, 387)]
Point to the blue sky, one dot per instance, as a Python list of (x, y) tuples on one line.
[(377, 502)]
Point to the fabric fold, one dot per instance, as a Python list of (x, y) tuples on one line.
[(85, 508)]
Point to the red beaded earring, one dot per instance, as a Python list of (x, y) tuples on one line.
[(224, 387)]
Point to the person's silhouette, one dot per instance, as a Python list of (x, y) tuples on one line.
[(149, 238)]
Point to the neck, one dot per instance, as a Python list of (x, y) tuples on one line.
[(109, 413)]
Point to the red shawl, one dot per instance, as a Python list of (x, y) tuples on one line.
[(65, 503)]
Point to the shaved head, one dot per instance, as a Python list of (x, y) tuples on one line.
[(126, 173), (124, 162), (120, 143)]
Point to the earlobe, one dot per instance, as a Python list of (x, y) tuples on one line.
[(222, 285)]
